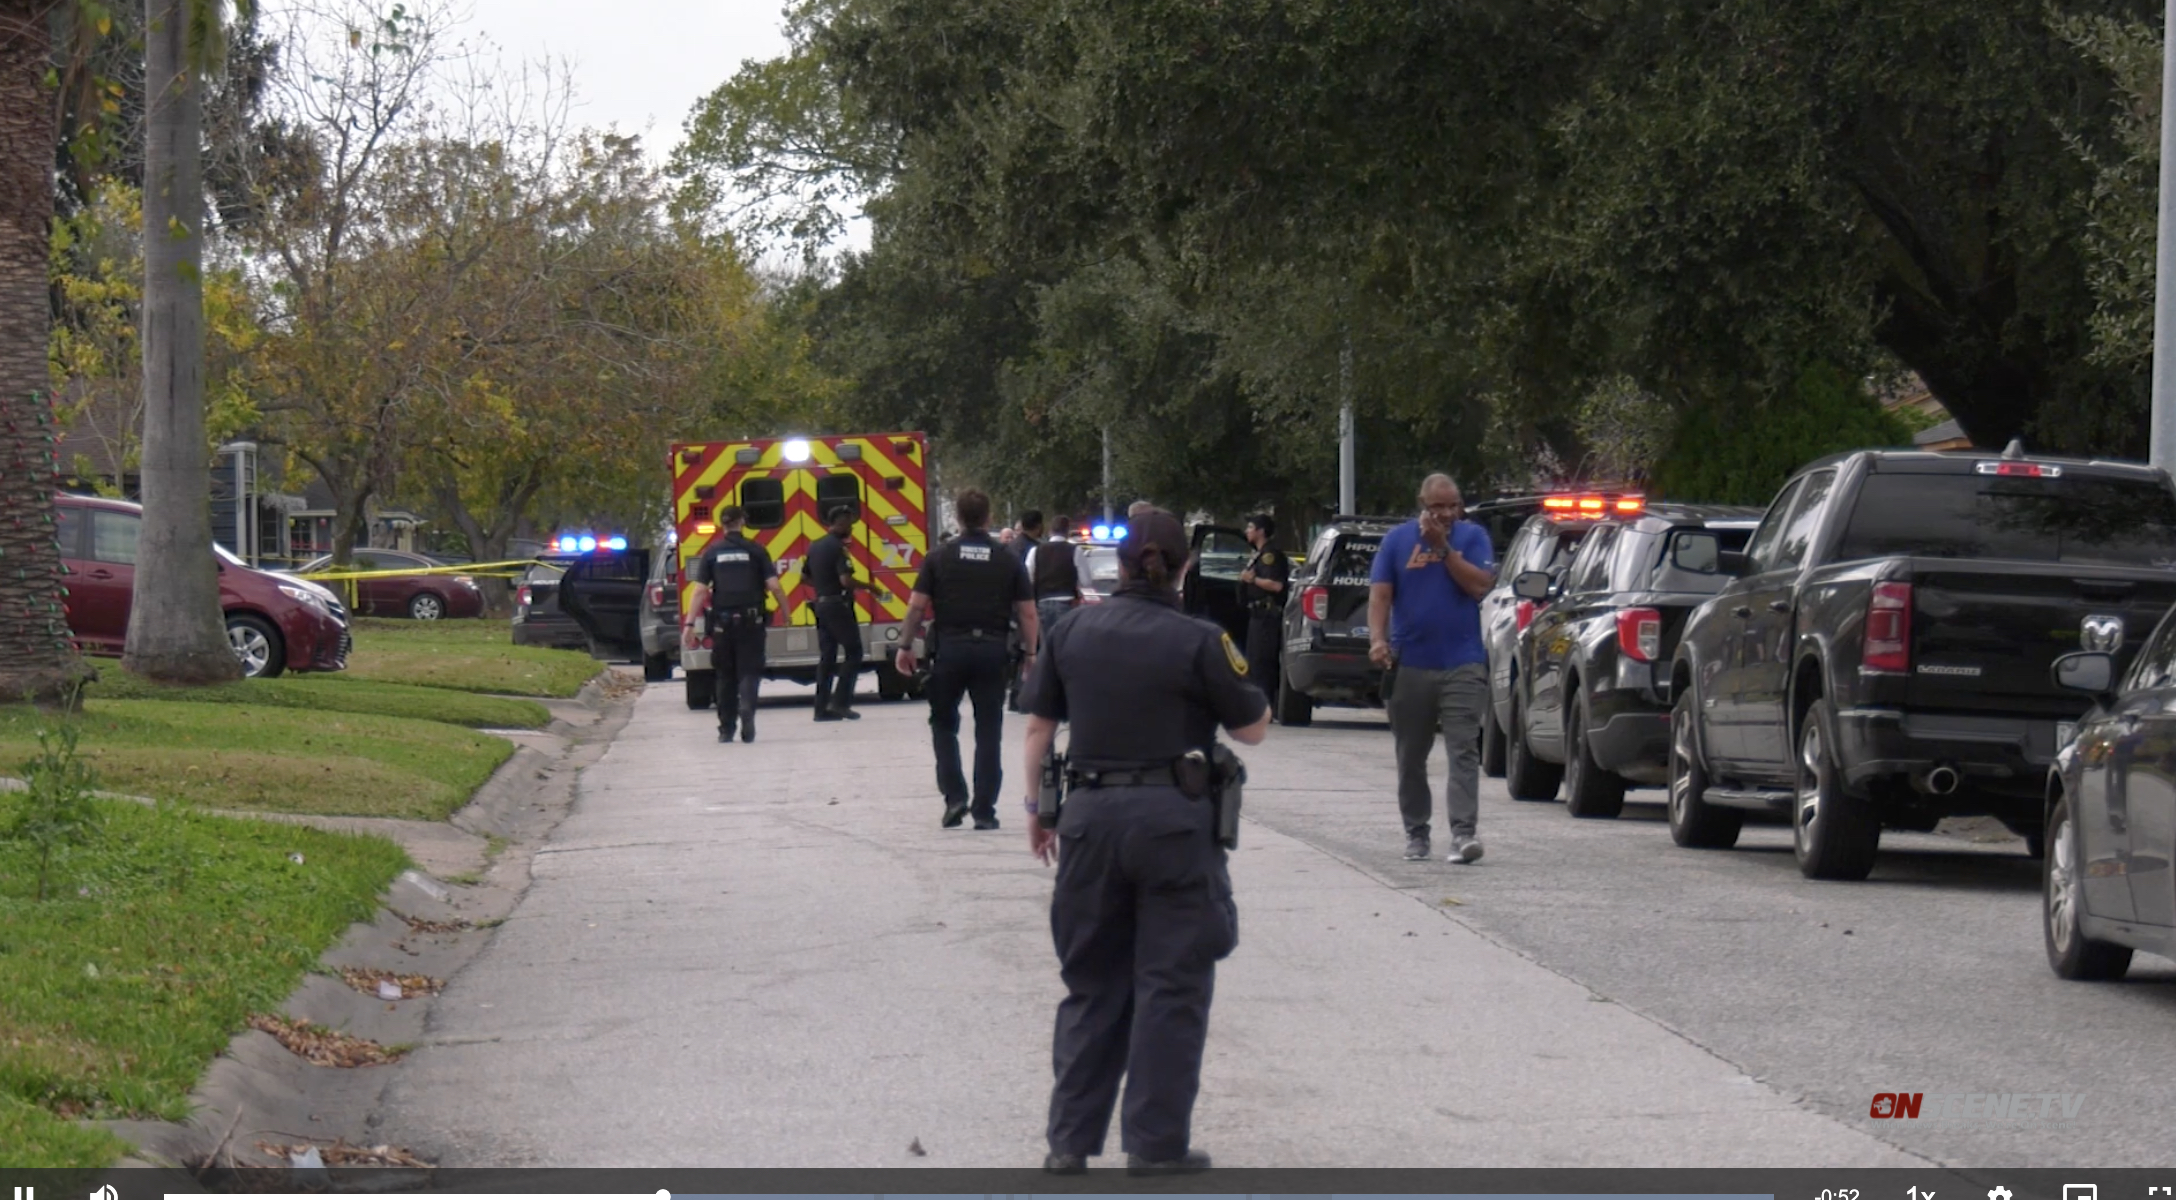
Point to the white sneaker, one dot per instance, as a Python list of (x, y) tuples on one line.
[(1466, 852)]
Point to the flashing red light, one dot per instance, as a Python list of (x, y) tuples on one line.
[(1559, 503), (1639, 634), (1315, 603), (1889, 629), (1631, 504)]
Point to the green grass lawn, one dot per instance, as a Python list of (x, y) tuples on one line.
[(166, 934), (336, 693), (469, 656), (242, 756)]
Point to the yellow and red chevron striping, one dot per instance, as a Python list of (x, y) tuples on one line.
[(890, 540)]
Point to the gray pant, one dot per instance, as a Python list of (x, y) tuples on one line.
[(1423, 704)]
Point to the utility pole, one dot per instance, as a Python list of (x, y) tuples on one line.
[(1348, 482), (2162, 431), (1107, 448)]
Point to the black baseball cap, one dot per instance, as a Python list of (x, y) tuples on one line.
[(1154, 530)]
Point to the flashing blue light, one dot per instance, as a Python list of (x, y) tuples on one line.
[(567, 545), (615, 543), (1119, 532), (587, 544), (1102, 533)]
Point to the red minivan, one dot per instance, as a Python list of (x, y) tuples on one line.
[(276, 623)]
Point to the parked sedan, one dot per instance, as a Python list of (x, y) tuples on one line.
[(423, 597), (275, 623), (2109, 887), (1589, 712)]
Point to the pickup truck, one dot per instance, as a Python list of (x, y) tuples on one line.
[(1880, 656)]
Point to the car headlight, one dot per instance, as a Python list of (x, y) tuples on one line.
[(306, 596)]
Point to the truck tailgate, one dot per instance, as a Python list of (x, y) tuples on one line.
[(1984, 632)]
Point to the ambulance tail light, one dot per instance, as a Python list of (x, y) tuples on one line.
[(1639, 634), (1315, 603)]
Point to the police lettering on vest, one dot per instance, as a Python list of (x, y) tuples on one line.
[(736, 570), (973, 583)]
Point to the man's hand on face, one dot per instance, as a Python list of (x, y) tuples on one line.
[(1435, 530)]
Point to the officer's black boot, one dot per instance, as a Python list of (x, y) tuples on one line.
[(1193, 1162), (747, 727)]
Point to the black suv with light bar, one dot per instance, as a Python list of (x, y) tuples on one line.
[(1326, 622), (1880, 655), (1544, 542), (1590, 714)]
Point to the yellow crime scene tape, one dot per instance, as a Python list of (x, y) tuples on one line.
[(512, 569)]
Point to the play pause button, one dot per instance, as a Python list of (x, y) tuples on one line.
[(26, 1193)]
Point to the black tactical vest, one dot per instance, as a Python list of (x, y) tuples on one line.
[(736, 574), (976, 584), (1056, 574)]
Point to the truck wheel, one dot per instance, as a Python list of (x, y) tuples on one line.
[(1589, 791), (1294, 707), (2070, 952), (1528, 777), (1694, 823), (700, 693), (1834, 833), (1492, 743), (656, 668)]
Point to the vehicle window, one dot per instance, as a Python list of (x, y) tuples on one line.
[(1554, 554), (834, 490), (2155, 666), (1352, 563), (1635, 556), (765, 502), (1805, 519), (68, 529), (1589, 570), (1667, 576), (1224, 555), (2122, 522), (1763, 546), (113, 536)]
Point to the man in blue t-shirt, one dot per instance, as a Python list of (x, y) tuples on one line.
[(1424, 613)]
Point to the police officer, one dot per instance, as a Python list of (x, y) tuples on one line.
[(830, 571), (1261, 594), (1055, 572), (1142, 910), (977, 588), (731, 577)]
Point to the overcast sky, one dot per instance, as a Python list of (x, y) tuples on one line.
[(639, 67)]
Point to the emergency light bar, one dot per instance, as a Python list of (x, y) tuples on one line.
[(1592, 505), (1108, 533), (585, 543)]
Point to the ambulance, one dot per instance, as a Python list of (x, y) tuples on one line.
[(784, 485)]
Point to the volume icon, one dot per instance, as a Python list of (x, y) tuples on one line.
[(106, 1193)]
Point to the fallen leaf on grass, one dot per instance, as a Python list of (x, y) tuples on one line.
[(323, 1047), (1452, 902), (366, 981)]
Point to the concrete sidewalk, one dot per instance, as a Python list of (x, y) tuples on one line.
[(771, 955)]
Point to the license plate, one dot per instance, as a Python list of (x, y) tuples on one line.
[(2065, 732)]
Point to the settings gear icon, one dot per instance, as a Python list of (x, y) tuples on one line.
[(1998, 1192)]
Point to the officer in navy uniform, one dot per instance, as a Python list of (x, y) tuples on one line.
[(830, 572), (1261, 595), (1142, 911), (977, 589), (731, 577)]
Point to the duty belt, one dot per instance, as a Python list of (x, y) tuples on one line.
[(944, 631), (1077, 777)]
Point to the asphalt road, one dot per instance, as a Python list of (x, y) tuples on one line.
[(1929, 977), (771, 955)]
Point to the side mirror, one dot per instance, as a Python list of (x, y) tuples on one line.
[(1698, 552), (1733, 563), (1531, 585), (2089, 671)]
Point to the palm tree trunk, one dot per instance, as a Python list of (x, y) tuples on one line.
[(37, 659), (176, 633)]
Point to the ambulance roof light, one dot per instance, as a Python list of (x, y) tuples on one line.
[(795, 450)]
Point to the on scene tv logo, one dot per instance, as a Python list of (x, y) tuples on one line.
[(1976, 1106)]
